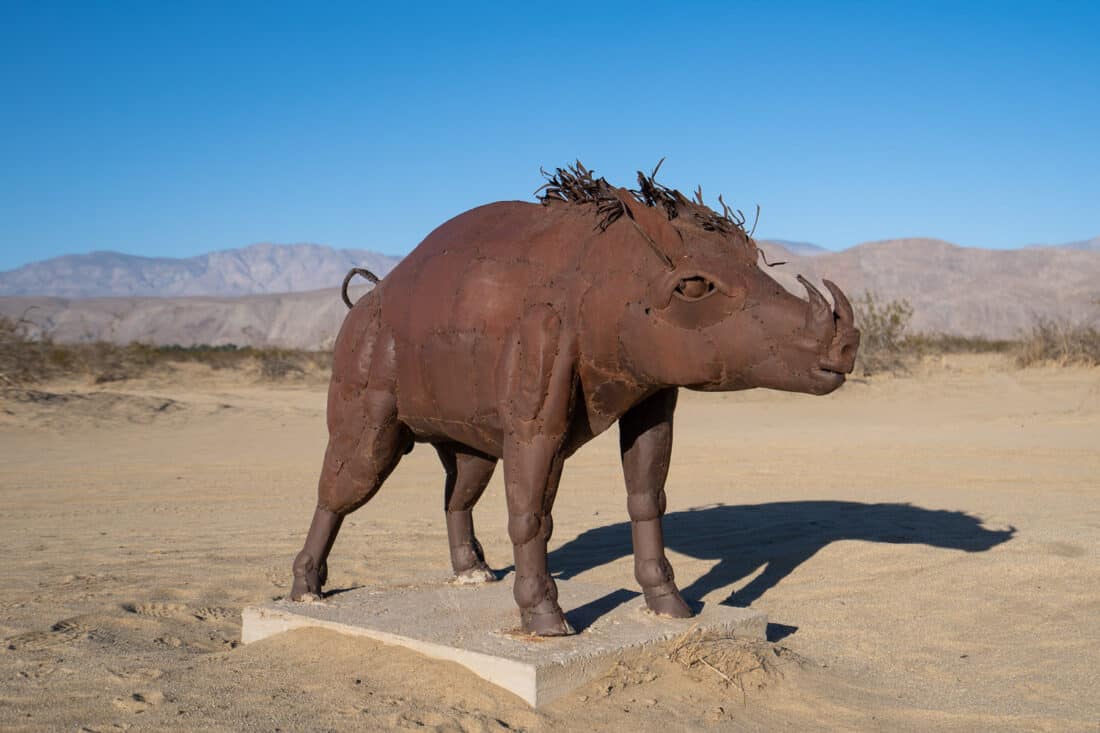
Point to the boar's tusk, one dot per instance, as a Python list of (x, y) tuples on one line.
[(843, 307), (820, 312)]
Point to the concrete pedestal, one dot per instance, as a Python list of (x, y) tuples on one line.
[(477, 627)]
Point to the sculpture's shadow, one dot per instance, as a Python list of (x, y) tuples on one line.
[(777, 537)]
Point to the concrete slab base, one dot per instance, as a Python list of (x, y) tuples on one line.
[(477, 627)]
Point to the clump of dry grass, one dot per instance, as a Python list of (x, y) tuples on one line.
[(883, 327), (27, 360), (22, 359), (887, 345), (1053, 341)]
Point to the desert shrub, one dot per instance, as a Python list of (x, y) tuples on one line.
[(222, 356), (280, 365), (887, 345), (1054, 341), (22, 359), (105, 362), (883, 325)]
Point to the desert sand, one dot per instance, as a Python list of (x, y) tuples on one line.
[(926, 548)]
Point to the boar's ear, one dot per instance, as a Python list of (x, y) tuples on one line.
[(651, 224)]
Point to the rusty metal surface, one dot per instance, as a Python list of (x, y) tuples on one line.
[(519, 331)]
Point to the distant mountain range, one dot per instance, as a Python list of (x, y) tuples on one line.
[(306, 320), (804, 249), (259, 268), (271, 294), (960, 290), (1089, 245)]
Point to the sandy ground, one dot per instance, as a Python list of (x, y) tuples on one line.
[(926, 548)]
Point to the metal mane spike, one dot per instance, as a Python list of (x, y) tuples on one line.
[(578, 185)]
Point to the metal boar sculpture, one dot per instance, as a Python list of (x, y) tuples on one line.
[(520, 331)]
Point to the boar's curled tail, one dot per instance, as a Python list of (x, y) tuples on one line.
[(347, 279)]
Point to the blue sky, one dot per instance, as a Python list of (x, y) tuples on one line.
[(171, 129)]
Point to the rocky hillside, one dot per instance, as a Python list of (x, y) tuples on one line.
[(308, 320), (960, 290), (260, 268), (1089, 245)]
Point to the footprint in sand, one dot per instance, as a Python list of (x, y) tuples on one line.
[(215, 613), (157, 610), (62, 633), (76, 630), (180, 611)]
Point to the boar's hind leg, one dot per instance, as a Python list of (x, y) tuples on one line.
[(468, 473), (645, 440), (364, 446)]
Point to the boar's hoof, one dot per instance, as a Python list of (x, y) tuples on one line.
[(475, 576), (667, 601), (468, 561), (545, 622), (308, 578)]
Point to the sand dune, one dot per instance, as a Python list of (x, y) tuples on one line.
[(925, 547)]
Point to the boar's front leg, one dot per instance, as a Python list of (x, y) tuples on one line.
[(535, 410), (529, 527), (645, 440)]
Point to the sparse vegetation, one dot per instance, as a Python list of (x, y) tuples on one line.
[(280, 365), (1053, 341), (922, 344), (883, 326), (22, 359), (887, 345), (28, 360)]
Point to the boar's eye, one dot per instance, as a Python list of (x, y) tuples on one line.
[(693, 288)]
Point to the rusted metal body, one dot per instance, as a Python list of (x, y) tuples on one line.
[(520, 331)]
